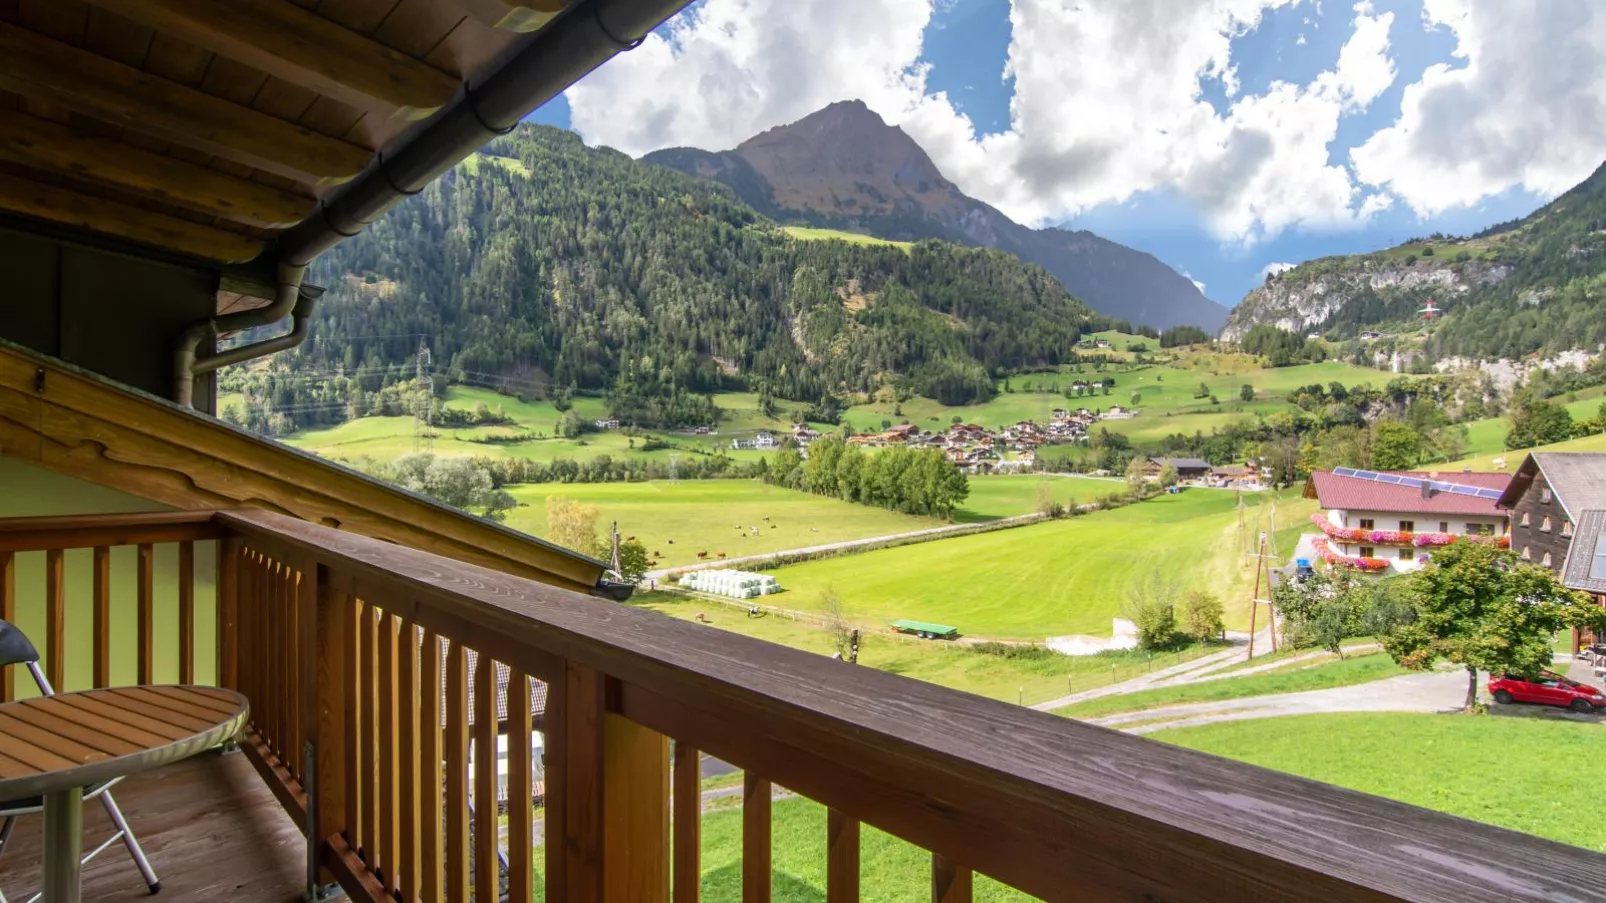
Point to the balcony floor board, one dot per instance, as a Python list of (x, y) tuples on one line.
[(209, 825)]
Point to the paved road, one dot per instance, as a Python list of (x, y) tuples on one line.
[(1435, 691), (929, 533)]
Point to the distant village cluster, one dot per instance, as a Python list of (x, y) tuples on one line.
[(971, 447)]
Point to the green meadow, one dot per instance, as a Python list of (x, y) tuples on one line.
[(806, 233), (1528, 774), (676, 520), (1066, 577), (1027, 676), (1006, 495)]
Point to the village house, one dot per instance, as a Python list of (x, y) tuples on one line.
[(1187, 468), (607, 424), (1557, 505), (1119, 412), (1392, 520), (761, 441), (1241, 475)]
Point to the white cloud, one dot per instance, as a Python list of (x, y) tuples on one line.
[(1107, 101), (1525, 105), (1197, 284), (1272, 269)]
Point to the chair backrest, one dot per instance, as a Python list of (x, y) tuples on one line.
[(15, 649)]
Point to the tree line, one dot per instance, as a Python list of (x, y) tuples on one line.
[(914, 481)]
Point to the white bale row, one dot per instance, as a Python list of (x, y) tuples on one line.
[(736, 584)]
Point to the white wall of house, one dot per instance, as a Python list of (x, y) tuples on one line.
[(1456, 524)]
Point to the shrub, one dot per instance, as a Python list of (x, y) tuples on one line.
[(1202, 615)]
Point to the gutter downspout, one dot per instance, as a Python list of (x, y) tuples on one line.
[(289, 301)]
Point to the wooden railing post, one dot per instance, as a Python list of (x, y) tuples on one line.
[(228, 613), (688, 823), (8, 612), (950, 883), (102, 621), (328, 714), (841, 858), (757, 878), (635, 802), (56, 621), (574, 847)]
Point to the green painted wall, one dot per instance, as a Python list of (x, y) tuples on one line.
[(27, 491)]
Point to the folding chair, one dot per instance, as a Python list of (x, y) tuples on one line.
[(15, 649)]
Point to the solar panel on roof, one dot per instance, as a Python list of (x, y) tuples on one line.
[(1395, 479)]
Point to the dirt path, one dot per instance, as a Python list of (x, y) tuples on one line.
[(1176, 674), (927, 533)]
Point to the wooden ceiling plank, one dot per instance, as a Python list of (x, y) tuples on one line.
[(64, 20), (113, 36), (512, 15), (52, 147), (301, 47), (39, 67), (362, 16), (69, 208)]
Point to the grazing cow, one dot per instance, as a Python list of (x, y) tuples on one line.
[(671, 541), (657, 554), (702, 554), (702, 617), (766, 518), (722, 554), (630, 539)]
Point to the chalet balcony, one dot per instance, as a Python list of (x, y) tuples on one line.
[(373, 669)]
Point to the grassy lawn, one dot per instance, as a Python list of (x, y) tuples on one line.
[(806, 233), (1354, 670), (702, 515), (1486, 460), (891, 870), (1031, 677), (1004, 496), (1486, 439), (1527, 774), (1066, 577)]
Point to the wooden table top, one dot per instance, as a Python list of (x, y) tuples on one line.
[(79, 739)]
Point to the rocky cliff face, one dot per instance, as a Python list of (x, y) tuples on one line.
[(1312, 294), (843, 167)]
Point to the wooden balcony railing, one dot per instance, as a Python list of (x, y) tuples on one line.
[(356, 656)]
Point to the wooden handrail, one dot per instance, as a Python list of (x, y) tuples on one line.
[(1057, 808), (83, 531)]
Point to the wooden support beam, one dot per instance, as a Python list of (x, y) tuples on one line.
[(145, 600), (950, 883), (186, 613), (303, 48), (513, 15), (841, 858), (52, 147), (688, 824), (102, 571), (59, 205), (40, 68)]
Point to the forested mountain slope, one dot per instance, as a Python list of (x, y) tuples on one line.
[(578, 267), (1537, 284), (844, 167)]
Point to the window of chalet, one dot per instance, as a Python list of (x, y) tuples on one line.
[(1544, 495), (1368, 552), (1525, 520), (1444, 526), (1366, 523), (1408, 554), (1544, 525), (1480, 529), (1407, 526), (1526, 554), (1545, 560), (1566, 528)]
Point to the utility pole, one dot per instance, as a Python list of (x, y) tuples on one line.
[(617, 570), (424, 401)]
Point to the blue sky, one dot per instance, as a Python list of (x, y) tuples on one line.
[(1196, 131)]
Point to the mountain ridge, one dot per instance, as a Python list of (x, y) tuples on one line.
[(844, 167), (1531, 285)]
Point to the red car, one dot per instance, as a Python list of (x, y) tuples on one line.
[(1547, 689)]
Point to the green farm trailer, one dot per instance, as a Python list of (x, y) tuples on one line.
[(925, 629)]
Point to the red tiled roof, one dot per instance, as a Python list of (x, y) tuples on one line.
[(1356, 494)]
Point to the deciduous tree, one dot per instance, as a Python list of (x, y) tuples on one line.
[(1484, 609)]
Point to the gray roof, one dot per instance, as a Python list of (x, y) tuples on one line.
[(1581, 570), (1577, 478), (1181, 463)]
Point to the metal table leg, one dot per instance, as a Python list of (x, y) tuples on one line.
[(64, 823)]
